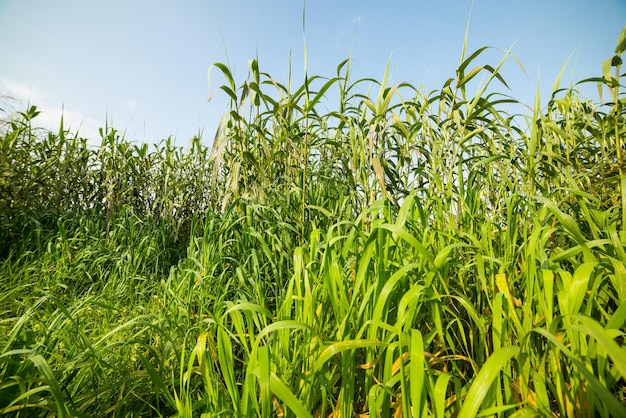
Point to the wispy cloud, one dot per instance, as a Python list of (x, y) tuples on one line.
[(73, 121), (50, 116), (23, 92), (130, 104), (345, 31)]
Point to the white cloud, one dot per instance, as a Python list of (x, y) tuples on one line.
[(23, 92), (356, 19), (73, 121), (50, 116), (130, 104)]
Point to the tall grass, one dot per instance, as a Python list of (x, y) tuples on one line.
[(404, 254)]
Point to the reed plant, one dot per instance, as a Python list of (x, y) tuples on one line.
[(407, 253)]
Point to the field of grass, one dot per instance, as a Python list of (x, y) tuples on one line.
[(333, 253)]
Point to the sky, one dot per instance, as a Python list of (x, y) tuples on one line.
[(142, 65)]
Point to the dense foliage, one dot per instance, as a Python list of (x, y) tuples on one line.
[(405, 254)]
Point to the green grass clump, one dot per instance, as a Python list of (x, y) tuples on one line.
[(405, 254)]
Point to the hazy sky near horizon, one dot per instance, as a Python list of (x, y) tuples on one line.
[(143, 64)]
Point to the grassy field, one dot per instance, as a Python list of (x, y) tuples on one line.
[(333, 253)]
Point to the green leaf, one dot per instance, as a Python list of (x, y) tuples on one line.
[(227, 364), (484, 379), (600, 390), (282, 392), (444, 253), (592, 328), (342, 346), (578, 286), (416, 372), (265, 380), (440, 394), (43, 367), (281, 325)]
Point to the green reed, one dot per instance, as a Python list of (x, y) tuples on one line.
[(402, 254)]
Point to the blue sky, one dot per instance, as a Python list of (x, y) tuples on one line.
[(143, 63)]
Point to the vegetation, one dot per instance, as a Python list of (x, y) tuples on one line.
[(405, 254)]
